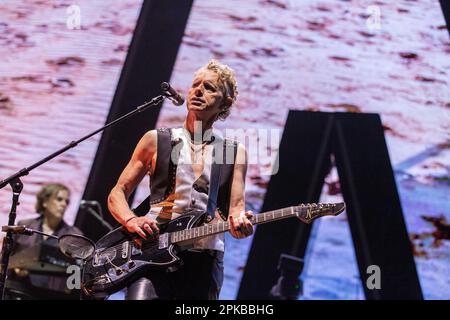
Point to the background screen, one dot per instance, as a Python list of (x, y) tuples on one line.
[(61, 61)]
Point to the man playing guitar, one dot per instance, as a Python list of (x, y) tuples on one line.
[(210, 98)]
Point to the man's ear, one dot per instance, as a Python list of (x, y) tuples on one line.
[(228, 102)]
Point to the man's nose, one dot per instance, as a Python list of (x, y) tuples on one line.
[(198, 92)]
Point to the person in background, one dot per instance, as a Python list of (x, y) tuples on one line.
[(51, 204)]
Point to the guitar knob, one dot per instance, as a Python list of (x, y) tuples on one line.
[(119, 271), (131, 264)]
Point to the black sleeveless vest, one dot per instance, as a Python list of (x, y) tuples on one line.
[(162, 182)]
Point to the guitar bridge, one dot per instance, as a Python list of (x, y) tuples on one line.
[(103, 257)]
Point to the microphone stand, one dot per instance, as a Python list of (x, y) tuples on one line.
[(98, 217), (26, 231), (17, 185)]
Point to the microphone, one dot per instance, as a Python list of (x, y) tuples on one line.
[(17, 229), (176, 98)]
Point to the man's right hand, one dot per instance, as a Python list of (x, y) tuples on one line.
[(143, 226)]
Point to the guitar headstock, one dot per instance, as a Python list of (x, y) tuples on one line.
[(310, 211)]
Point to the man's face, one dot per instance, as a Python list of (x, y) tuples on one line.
[(56, 205), (205, 96)]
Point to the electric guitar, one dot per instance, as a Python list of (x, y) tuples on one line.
[(120, 257)]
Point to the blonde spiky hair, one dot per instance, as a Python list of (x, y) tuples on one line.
[(227, 79)]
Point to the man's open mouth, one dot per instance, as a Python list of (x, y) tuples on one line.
[(197, 101)]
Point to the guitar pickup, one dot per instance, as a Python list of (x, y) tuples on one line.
[(125, 249), (163, 241)]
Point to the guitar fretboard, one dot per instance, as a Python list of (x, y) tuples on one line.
[(220, 227)]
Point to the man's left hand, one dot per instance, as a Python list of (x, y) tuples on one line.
[(241, 226)]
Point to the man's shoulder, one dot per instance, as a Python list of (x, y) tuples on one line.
[(152, 135), (148, 141)]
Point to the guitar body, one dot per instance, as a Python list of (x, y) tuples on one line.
[(121, 257)]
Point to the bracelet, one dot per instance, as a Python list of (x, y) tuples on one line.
[(129, 219)]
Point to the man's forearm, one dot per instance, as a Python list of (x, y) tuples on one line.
[(118, 206)]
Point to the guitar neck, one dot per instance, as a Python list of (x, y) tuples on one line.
[(220, 227)]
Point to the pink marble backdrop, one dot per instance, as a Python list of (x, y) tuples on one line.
[(56, 85), (322, 56)]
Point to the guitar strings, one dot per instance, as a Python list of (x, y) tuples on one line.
[(224, 224)]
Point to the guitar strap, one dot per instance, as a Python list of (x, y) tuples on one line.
[(165, 171), (163, 179), (221, 179)]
